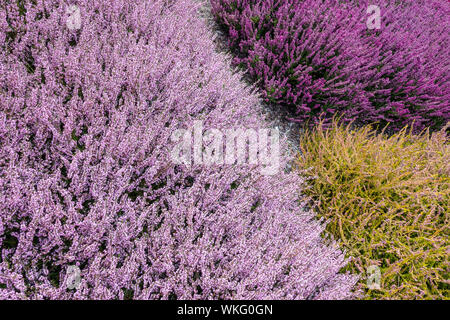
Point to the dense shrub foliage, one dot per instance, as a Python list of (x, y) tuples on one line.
[(319, 57), (389, 201), (86, 178)]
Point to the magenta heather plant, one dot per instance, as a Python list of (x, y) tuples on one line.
[(319, 58), (86, 178)]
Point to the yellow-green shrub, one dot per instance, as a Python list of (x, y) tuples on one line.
[(387, 199)]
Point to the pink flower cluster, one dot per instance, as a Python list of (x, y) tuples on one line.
[(320, 58), (86, 178)]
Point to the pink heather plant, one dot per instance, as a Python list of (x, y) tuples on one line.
[(86, 178), (319, 58)]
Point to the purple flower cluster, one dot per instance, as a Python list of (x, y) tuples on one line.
[(86, 178), (319, 58)]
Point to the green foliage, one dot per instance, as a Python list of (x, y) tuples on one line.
[(388, 200)]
